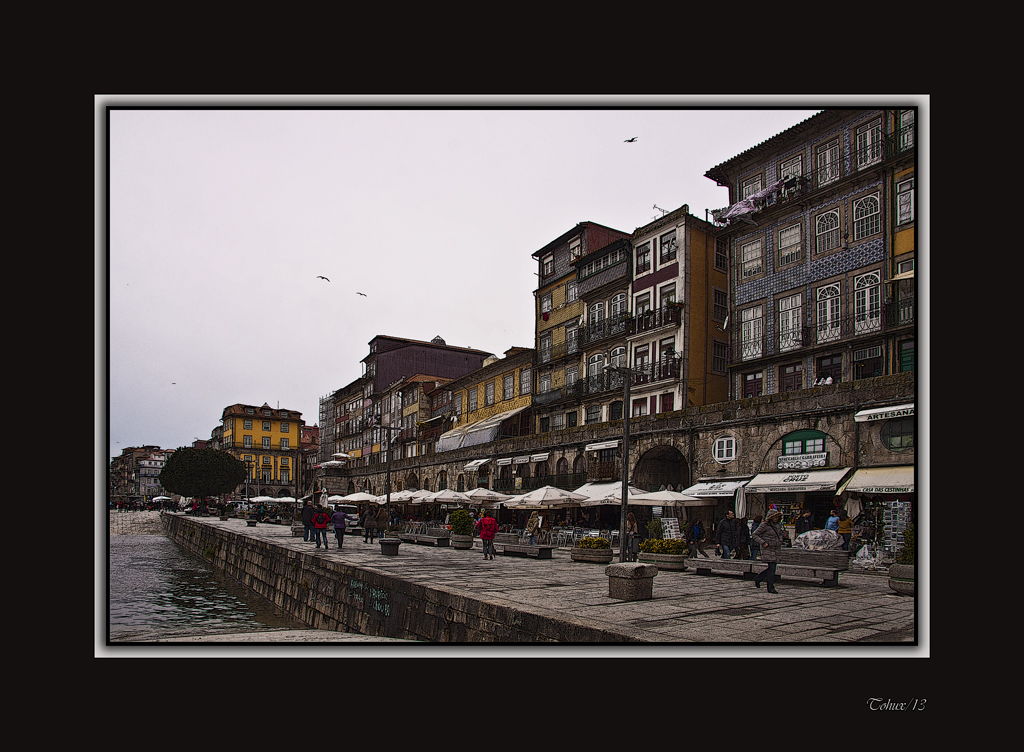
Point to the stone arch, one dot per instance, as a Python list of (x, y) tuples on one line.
[(562, 466), (579, 465), (661, 465), (411, 481)]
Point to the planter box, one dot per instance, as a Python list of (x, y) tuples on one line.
[(389, 546), (665, 562), (901, 578), (462, 542), (593, 555)]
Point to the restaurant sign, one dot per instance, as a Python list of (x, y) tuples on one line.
[(803, 461)]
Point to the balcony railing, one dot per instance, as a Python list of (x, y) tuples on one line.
[(655, 319), (607, 381), (880, 150), (887, 317)]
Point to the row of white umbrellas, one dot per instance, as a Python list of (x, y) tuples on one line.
[(543, 497)]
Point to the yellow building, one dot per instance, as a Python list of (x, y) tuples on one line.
[(268, 441), (490, 403)]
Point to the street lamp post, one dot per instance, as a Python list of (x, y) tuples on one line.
[(627, 376)]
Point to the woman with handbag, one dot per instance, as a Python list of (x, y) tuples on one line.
[(769, 536)]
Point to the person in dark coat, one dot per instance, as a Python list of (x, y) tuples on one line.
[(804, 524), (307, 522), (728, 536), (743, 544), (769, 536), (369, 522)]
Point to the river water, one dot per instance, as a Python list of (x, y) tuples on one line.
[(157, 589)]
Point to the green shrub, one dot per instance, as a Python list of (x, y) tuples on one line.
[(907, 552), (592, 542), (462, 523), (675, 546), (654, 529)]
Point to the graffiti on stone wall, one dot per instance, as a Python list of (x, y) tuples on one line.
[(368, 596)]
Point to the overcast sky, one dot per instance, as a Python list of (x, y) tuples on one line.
[(221, 220)]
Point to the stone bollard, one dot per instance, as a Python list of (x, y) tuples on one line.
[(389, 546), (631, 581)]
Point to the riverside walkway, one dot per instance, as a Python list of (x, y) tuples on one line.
[(686, 608)]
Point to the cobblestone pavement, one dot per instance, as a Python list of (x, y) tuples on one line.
[(686, 608)]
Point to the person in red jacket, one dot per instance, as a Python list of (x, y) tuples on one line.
[(320, 520), (488, 527)]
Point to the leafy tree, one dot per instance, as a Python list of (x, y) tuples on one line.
[(202, 472)]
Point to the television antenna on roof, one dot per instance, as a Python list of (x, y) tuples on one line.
[(663, 211)]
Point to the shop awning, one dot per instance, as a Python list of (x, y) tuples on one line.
[(885, 413), (720, 488), (504, 461), (521, 460), (881, 480), (797, 480), (475, 465), (481, 432), (539, 457), (603, 445)]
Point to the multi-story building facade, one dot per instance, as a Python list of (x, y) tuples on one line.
[(491, 402), (575, 269), (821, 216), (679, 303), (135, 474), (269, 441), (365, 414)]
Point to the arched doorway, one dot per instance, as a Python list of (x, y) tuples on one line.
[(411, 482), (661, 467)]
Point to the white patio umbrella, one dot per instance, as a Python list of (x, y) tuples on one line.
[(610, 496), (547, 497), (403, 496), (420, 497), (283, 499), (661, 499), (447, 496), (359, 496), (486, 496)]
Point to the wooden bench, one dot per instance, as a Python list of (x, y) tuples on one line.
[(829, 576), (538, 552)]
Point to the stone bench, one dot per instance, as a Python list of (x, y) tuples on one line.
[(829, 576), (629, 581), (297, 531), (538, 552), (433, 536)]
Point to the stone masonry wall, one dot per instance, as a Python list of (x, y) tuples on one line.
[(335, 596)]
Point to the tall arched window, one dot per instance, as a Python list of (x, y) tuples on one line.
[(562, 467)]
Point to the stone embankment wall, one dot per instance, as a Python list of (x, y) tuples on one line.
[(331, 595)]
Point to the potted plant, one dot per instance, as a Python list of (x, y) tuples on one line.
[(901, 574), (462, 530), (593, 549), (667, 554)]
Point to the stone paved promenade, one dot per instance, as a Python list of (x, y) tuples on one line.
[(686, 608)]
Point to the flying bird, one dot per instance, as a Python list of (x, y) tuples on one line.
[(629, 140), (319, 277), (361, 293)]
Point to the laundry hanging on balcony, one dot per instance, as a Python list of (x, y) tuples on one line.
[(752, 203)]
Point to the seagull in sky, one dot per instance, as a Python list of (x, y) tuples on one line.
[(361, 293), (319, 277), (629, 140)]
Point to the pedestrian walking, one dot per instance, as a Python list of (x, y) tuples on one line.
[(307, 521), (728, 535), (488, 527), (369, 522), (320, 520), (769, 537), (382, 521), (339, 519), (755, 550), (695, 538), (532, 526)]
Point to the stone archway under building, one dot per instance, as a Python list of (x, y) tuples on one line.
[(661, 467)]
